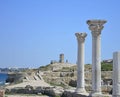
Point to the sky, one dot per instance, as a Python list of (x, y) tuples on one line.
[(34, 32)]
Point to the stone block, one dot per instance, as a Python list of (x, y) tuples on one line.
[(2, 93)]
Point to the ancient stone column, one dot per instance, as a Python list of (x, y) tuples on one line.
[(96, 26), (80, 63), (116, 74)]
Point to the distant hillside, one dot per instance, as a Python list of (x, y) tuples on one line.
[(105, 66)]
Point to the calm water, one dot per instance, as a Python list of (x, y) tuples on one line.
[(3, 77)]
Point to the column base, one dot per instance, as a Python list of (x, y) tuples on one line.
[(80, 90), (96, 94), (115, 95)]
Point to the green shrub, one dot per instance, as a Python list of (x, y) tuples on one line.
[(106, 66)]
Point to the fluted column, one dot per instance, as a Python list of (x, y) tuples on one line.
[(80, 63), (116, 74), (96, 26)]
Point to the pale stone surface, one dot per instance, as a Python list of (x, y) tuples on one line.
[(96, 26), (116, 74), (2, 93), (31, 83), (80, 63)]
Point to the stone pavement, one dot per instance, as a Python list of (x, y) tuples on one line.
[(31, 83)]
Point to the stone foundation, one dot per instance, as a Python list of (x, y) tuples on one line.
[(71, 93)]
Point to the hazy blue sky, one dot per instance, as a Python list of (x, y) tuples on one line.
[(34, 32)]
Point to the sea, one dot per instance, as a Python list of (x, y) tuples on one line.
[(3, 77)]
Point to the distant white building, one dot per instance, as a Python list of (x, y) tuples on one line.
[(108, 61)]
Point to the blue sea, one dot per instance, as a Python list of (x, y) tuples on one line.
[(3, 77)]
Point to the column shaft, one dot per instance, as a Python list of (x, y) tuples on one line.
[(96, 65), (116, 74), (80, 65)]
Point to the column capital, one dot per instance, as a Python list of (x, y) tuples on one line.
[(96, 26), (81, 36)]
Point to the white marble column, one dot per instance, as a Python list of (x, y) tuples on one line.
[(80, 63), (116, 74), (96, 26)]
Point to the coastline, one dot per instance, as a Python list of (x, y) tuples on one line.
[(3, 72), (3, 77)]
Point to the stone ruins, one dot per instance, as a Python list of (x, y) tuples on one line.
[(61, 59), (96, 27)]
